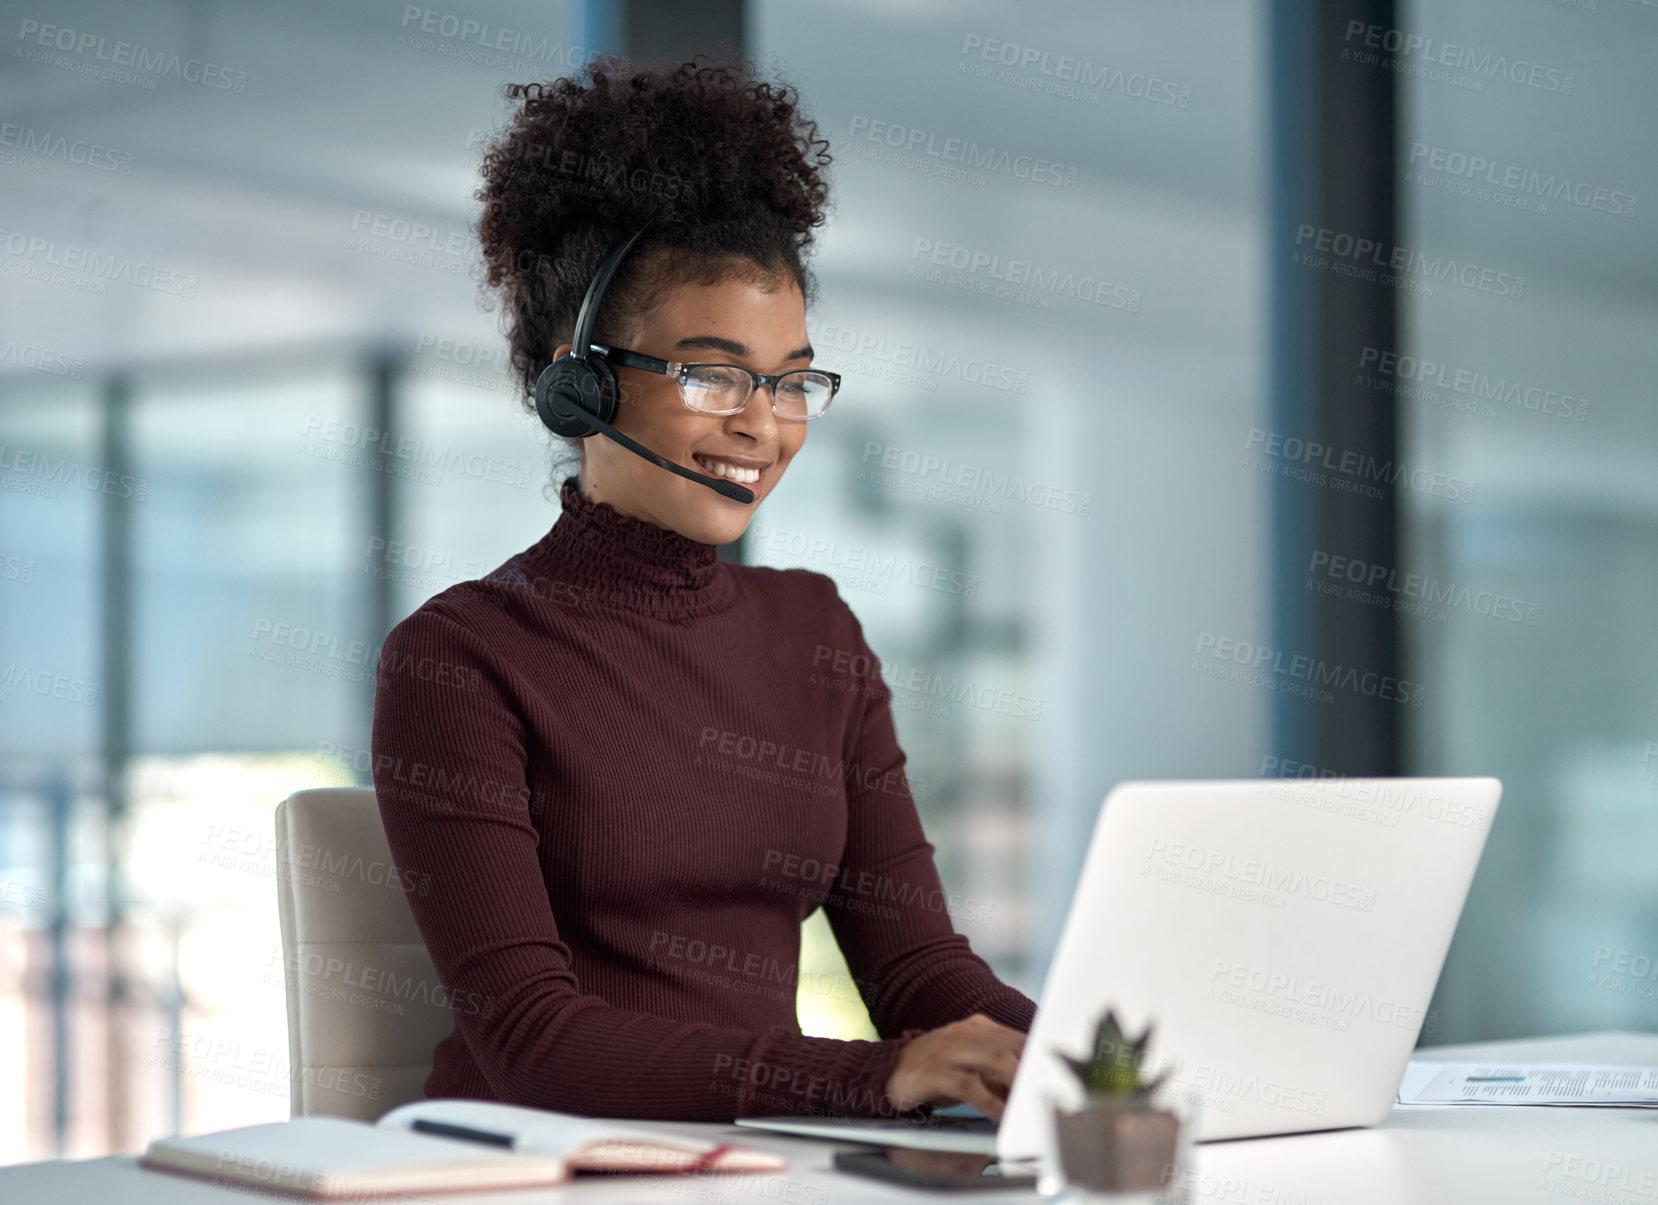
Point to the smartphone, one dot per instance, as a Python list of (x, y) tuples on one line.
[(948, 1171)]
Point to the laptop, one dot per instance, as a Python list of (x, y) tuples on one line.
[(1283, 936)]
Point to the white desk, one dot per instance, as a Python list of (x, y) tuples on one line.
[(1452, 1156)]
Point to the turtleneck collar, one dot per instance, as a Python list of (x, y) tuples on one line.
[(619, 561)]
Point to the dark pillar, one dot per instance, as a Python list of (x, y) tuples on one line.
[(1333, 168), (381, 373), (115, 716)]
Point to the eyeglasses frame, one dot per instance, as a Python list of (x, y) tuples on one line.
[(678, 370)]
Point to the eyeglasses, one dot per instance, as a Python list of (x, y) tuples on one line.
[(797, 395)]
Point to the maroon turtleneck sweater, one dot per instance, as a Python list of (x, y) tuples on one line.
[(631, 769)]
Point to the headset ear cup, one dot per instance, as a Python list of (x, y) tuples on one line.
[(559, 394), (605, 390)]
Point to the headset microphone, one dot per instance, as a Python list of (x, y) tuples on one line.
[(577, 394), (729, 488)]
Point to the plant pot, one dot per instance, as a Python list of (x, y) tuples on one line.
[(1117, 1147)]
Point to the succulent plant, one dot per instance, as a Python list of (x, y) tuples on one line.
[(1113, 1069)]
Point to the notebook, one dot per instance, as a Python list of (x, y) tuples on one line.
[(438, 1146)]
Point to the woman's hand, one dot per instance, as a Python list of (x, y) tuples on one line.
[(969, 1061)]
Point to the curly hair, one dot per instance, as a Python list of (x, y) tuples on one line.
[(726, 167)]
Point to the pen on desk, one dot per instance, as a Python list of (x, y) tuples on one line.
[(446, 1130)]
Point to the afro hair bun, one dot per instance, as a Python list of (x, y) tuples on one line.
[(726, 167)]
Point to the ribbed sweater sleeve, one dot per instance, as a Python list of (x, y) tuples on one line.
[(450, 776), (888, 908)]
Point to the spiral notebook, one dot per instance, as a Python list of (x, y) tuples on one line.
[(439, 1146)]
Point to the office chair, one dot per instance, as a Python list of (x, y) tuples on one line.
[(365, 1006)]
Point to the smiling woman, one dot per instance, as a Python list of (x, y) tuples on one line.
[(729, 175), (614, 823), (696, 414)]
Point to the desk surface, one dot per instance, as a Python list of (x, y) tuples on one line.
[(1421, 1156)]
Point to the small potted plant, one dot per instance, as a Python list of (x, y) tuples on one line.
[(1120, 1141)]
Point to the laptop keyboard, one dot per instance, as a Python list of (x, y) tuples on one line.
[(965, 1125), (947, 1121)]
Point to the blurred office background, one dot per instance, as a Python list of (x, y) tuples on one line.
[(252, 413)]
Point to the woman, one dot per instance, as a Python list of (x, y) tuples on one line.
[(635, 774)]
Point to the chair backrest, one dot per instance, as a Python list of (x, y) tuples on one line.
[(365, 1006)]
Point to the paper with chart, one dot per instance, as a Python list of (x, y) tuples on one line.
[(1529, 1084)]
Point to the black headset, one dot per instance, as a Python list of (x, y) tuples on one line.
[(577, 394)]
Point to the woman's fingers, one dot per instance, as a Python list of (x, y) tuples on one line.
[(971, 1061), (996, 1063), (974, 1091)]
